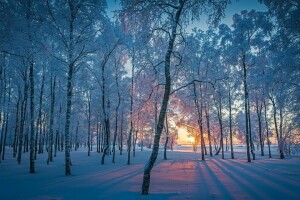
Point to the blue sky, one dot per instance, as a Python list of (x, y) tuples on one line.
[(236, 6)]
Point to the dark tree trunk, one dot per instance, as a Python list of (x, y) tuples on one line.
[(2, 94), (23, 116), (167, 138), (261, 138), (56, 142), (230, 125), (121, 134), (267, 127), (98, 137), (32, 110), (102, 139), (52, 94), (250, 133), (220, 119), (3, 111), (276, 127), (106, 124), (164, 105), (131, 110), (15, 144), (208, 131), (89, 142), (107, 139), (68, 119), (199, 120), (39, 124), (6, 122), (246, 108), (57, 134), (117, 113), (76, 136), (26, 142)]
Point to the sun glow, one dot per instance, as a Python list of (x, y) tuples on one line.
[(191, 140), (183, 137)]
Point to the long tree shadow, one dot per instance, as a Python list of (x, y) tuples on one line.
[(256, 182)]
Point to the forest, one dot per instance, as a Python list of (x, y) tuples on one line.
[(117, 77)]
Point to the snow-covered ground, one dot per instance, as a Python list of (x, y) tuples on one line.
[(182, 176)]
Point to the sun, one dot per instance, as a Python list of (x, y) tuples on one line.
[(191, 139)]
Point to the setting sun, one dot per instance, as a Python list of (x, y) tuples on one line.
[(183, 137), (191, 139)]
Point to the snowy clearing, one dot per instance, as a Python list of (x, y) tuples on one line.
[(182, 176)]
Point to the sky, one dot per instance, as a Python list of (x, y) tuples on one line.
[(236, 6)]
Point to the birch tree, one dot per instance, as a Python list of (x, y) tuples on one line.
[(172, 15), (74, 26)]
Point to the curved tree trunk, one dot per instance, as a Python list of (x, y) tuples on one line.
[(164, 105)]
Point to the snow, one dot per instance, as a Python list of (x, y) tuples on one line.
[(182, 176)]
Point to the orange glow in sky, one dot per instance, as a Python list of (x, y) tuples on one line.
[(183, 137)]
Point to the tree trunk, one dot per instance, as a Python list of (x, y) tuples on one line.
[(39, 124), (6, 121), (67, 125), (52, 94), (131, 111), (160, 124), (107, 139), (281, 140), (2, 94), (219, 112), (56, 142), (246, 107), (276, 127), (3, 111), (15, 144), (261, 140), (199, 120), (23, 116), (115, 134), (121, 134), (89, 123), (117, 113), (267, 127), (250, 133), (76, 135), (167, 138), (98, 137), (230, 125), (57, 135), (208, 130)]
